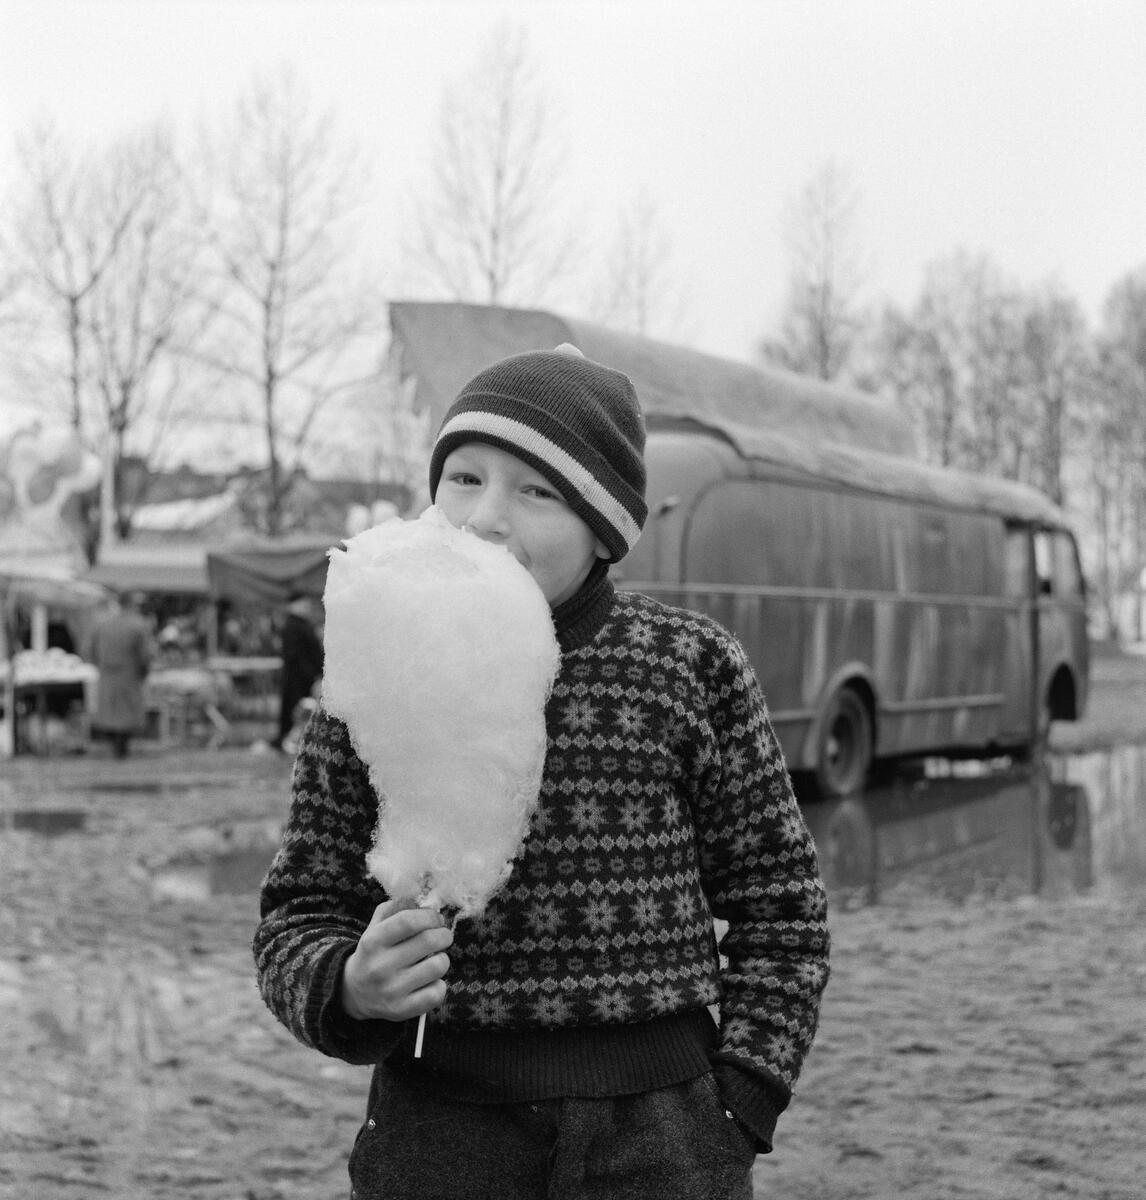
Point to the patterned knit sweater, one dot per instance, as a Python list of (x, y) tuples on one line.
[(665, 803)]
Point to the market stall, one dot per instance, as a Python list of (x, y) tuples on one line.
[(47, 693), (259, 576), (46, 689), (269, 571)]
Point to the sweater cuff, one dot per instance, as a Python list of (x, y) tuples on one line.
[(338, 1034), (752, 1100)]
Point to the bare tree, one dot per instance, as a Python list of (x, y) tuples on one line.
[(821, 317), (11, 282), (69, 218), (394, 434), (100, 257), (956, 362), (914, 365), (1057, 358), (141, 318), (489, 226), (295, 325), (1000, 427), (1117, 448), (637, 292)]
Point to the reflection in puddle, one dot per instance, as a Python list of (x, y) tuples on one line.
[(50, 822), (1064, 827), (1074, 824), (164, 787), (231, 873), (158, 787), (1115, 784)]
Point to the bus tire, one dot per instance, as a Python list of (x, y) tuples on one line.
[(846, 745)]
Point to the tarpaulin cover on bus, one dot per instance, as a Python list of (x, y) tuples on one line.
[(874, 471), (443, 345), (846, 436)]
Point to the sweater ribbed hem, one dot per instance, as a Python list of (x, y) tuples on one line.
[(607, 1060), (756, 1101), (332, 1030)]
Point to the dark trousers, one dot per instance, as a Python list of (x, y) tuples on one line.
[(675, 1143), (288, 702)]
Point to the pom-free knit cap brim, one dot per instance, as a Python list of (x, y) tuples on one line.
[(577, 422)]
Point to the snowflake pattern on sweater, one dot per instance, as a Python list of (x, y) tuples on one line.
[(665, 803)]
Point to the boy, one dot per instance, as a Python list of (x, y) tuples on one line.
[(570, 1050)]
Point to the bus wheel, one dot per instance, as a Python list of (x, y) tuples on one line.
[(846, 745)]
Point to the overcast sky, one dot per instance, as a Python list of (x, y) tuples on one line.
[(1012, 127)]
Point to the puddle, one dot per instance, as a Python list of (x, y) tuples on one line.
[(230, 873), (155, 787), (132, 786), (50, 822), (1114, 783), (1071, 825)]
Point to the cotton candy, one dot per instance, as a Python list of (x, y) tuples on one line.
[(440, 654)]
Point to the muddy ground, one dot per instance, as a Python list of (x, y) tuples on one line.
[(994, 1049)]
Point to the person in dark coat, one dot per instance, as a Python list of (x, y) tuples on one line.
[(121, 649), (302, 662)]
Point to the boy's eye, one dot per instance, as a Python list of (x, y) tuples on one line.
[(464, 477), (543, 493)]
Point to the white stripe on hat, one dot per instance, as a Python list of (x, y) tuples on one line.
[(517, 433)]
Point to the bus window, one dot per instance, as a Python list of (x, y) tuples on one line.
[(976, 554), (859, 534), (932, 554), (1066, 573), (1017, 562), (1044, 561), (760, 533), (774, 533), (799, 532), (953, 553)]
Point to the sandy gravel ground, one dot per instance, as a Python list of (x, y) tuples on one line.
[(995, 1049)]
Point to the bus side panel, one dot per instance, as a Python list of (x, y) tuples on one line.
[(952, 695), (778, 636), (906, 598)]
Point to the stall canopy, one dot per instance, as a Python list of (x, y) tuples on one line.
[(267, 571), (17, 588), (155, 568), (261, 571)]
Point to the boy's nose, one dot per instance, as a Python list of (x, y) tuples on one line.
[(488, 518)]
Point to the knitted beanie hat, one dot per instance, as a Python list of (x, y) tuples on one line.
[(576, 422)]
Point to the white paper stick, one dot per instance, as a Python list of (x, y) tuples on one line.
[(418, 1038)]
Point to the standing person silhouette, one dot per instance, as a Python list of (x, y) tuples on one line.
[(302, 661), (121, 649)]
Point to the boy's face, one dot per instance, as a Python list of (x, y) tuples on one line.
[(505, 501)]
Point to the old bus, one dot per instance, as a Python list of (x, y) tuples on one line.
[(890, 608)]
